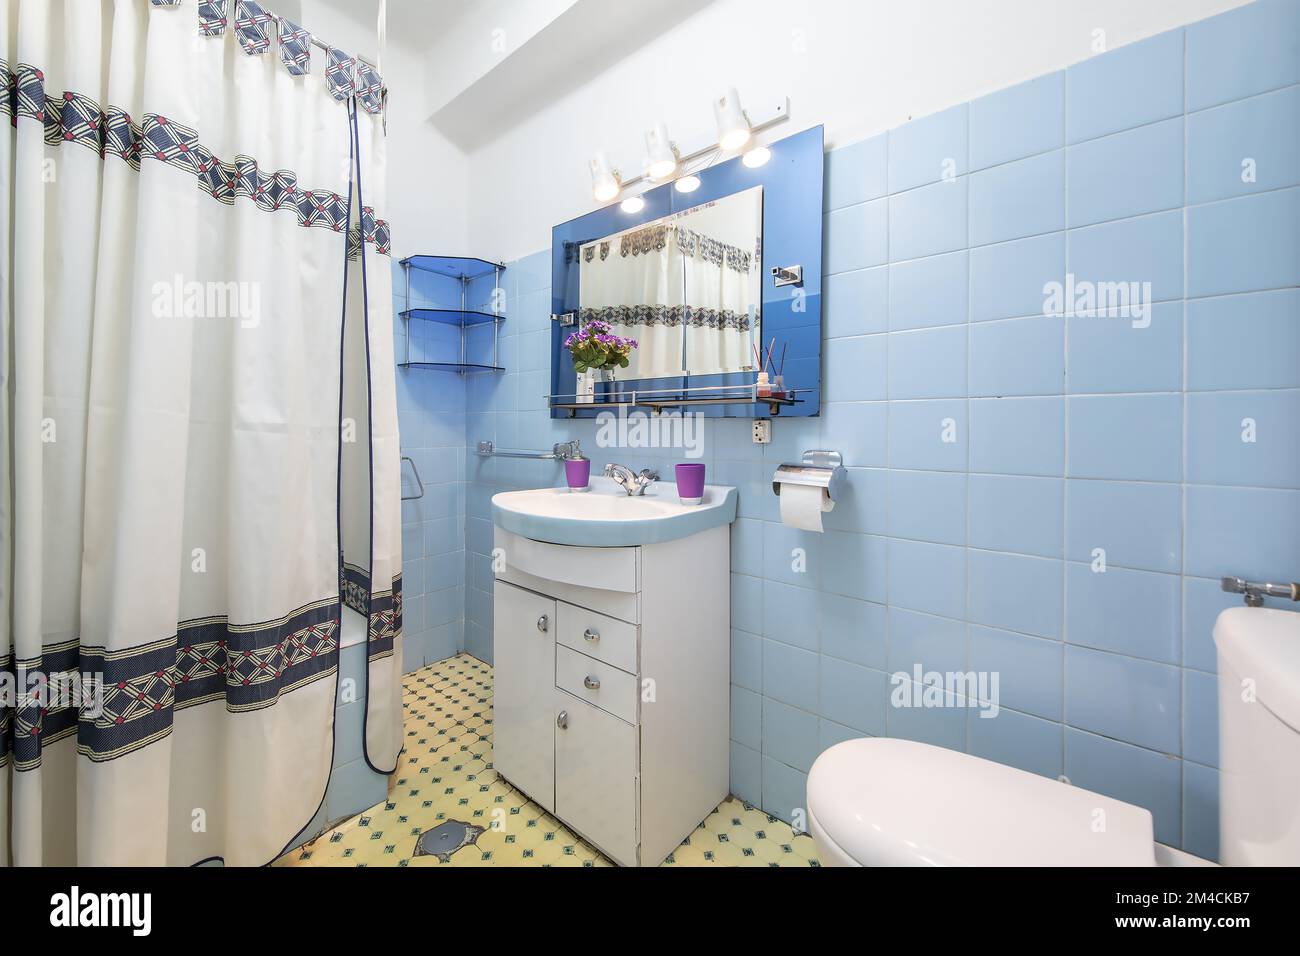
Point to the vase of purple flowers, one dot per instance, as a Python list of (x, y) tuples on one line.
[(595, 348)]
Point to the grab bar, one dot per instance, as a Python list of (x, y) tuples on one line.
[(562, 451), (415, 471)]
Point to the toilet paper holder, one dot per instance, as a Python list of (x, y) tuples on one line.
[(819, 469)]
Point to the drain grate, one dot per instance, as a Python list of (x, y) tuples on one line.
[(446, 838)]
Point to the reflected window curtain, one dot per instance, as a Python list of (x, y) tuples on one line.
[(720, 307), (672, 287), (177, 198), (633, 281)]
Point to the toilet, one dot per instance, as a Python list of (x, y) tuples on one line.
[(890, 802), (880, 801)]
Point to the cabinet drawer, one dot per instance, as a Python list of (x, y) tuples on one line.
[(609, 569), (596, 776), (597, 635), (614, 690)]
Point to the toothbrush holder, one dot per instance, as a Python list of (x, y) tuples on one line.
[(690, 483), (577, 472)]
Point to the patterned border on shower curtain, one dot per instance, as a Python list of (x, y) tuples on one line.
[(75, 118), (382, 608), (247, 665)]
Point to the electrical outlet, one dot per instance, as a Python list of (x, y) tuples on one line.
[(762, 431)]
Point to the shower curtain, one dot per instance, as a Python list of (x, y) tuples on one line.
[(198, 413)]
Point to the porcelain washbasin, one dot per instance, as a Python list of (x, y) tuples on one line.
[(606, 517)]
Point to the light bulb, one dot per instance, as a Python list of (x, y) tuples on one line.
[(733, 125), (687, 184), (661, 155), (604, 180), (756, 157), (632, 204)]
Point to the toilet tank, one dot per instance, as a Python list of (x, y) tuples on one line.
[(1259, 736)]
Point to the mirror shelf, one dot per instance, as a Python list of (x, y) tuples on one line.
[(658, 400)]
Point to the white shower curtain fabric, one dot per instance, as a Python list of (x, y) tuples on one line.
[(172, 338)]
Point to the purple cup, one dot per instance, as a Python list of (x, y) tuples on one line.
[(690, 483), (578, 473)]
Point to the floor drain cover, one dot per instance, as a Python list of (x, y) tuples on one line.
[(446, 838)]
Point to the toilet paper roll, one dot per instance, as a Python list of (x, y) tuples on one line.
[(802, 506)]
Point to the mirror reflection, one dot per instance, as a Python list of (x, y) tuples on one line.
[(686, 287)]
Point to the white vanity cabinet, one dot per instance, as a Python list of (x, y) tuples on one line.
[(611, 698)]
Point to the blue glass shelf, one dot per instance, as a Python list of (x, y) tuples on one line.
[(463, 318), (455, 267), (452, 366), (465, 270)]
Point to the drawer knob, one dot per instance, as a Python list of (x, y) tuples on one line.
[(591, 683), (542, 623), (591, 635), (562, 721)]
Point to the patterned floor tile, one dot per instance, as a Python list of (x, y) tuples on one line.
[(445, 774)]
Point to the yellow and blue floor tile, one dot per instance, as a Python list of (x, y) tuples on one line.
[(446, 790)]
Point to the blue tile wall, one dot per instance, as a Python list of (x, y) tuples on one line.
[(352, 786), (431, 421), (1002, 452), (1022, 120), (1132, 86), (509, 409)]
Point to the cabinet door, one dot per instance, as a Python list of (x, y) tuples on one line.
[(595, 776), (523, 722)]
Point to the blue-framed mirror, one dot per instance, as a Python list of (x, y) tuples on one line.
[(715, 285)]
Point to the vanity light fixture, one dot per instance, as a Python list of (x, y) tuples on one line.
[(660, 153), (665, 162), (604, 180), (733, 124), (756, 157), (632, 204)]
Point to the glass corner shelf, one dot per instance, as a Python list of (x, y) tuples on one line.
[(464, 270), (462, 317), (465, 368)]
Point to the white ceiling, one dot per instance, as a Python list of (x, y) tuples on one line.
[(484, 64), (413, 25)]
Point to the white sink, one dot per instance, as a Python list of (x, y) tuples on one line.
[(607, 517)]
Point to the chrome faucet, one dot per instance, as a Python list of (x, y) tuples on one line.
[(633, 484)]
